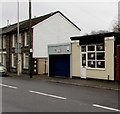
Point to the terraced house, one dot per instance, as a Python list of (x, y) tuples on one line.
[(52, 28)]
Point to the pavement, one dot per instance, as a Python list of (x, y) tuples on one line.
[(95, 83)]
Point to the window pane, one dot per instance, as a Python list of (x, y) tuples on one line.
[(83, 59), (0, 43), (26, 38), (91, 64), (91, 48), (91, 56), (83, 48), (4, 42), (101, 56), (15, 60), (100, 47), (100, 64), (26, 61), (0, 58)]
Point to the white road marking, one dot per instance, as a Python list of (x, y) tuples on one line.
[(4, 85), (49, 95), (113, 109)]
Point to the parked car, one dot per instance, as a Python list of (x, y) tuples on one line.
[(3, 70)]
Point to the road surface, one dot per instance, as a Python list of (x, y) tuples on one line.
[(25, 95)]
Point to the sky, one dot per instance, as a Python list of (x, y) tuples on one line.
[(88, 15)]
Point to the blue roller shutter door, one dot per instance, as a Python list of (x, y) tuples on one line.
[(59, 65)]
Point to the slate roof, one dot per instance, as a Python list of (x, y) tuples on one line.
[(25, 24)]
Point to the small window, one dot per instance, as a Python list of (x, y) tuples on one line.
[(91, 56), (83, 59), (14, 40), (14, 61), (0, 58), (100, 47), (83, 48), (26, 38), (100, 64), (101, 56), (91, 48), (0, 43), (26, 60), (91, 64), (4, 59), (4, 42)]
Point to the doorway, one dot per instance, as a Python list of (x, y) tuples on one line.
[(83, 65)]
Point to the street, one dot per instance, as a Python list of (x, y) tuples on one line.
[(25, 95)]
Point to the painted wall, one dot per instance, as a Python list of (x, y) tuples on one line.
[(42, 66), (53, 30), (75, 59), (95, 73), (109, 62)]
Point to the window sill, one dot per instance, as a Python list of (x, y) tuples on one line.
[(14, 67), (102, 69), (26, 45), (26, 68)]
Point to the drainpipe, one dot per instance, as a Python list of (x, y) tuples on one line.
[(18, 59), (108, 77)]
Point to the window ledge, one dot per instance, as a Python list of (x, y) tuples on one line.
[(102, 69), (26, 68), (26, 46), (14, 67)]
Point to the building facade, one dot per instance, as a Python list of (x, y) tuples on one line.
[(51, 28), (96, 56)]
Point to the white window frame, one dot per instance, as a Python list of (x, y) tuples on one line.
[(4, 42), (0, 57), (13, 64), (24, 66), (26, 38), (95, 51), (13, 40), (4, 59), (0, 43)]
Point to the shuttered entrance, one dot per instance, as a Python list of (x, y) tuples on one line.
[(117, 63), (59, 65), (59, 60)]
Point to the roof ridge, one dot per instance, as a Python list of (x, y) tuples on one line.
[(31, 19), (25, 24)]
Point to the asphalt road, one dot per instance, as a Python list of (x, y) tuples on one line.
[(24, 95)]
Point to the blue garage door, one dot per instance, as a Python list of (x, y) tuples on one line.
[(59, 65)]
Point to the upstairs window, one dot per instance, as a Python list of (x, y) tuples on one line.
[(26, 38), (14, 40), (4, 42), (0, 42)]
